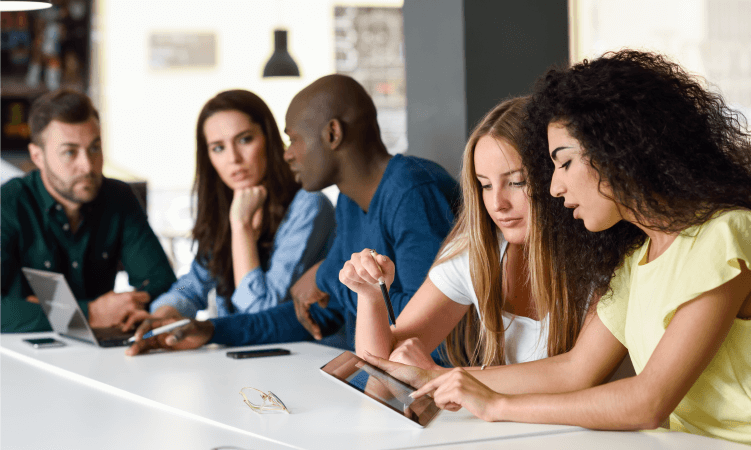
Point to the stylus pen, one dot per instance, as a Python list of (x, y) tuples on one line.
[(143, 285), (384, 291), (160, 330)]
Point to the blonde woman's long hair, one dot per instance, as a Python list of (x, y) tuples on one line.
[(479, 337)]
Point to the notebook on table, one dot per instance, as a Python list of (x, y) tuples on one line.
[(64, 314)]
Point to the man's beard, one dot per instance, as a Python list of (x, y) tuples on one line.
[(67, 192)]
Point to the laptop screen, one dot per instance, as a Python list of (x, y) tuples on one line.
[(58, 302)]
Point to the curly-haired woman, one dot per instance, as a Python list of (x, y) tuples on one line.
[(658, 171)]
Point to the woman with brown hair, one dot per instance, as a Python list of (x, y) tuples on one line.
[(477, 292), (257, 231)]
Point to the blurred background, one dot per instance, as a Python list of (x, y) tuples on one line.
[(433, 67)]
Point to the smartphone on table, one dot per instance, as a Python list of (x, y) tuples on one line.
[(45, 342), (243, 354)]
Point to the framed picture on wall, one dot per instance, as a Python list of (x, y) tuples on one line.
[(369, 47)]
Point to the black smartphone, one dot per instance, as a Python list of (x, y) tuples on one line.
[(258, 353), (45, 342)]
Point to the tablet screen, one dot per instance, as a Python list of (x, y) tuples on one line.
[(381, 387)]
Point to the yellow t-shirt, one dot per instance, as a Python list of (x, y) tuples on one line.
[(645, 297)]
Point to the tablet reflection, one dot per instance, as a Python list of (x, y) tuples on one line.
[(382, 387)]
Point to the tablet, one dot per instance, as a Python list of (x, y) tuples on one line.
[(381, 388)]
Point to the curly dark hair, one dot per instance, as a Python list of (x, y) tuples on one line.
[(672, 152)]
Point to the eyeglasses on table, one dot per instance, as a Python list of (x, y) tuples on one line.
[(260, 401)]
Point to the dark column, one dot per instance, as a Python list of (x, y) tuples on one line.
[(434, 63), (494, 48)]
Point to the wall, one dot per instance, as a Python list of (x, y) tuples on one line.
[(508, 45), (149, 114), (710, 38), (434, 60), (462, 58)]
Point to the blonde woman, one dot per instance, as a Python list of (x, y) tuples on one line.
[(477, 295)]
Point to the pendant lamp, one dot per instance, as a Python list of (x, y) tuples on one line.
[(27, 5), (281, 63)]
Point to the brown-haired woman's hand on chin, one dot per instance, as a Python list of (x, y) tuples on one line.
[(364, 270), (193, 335), (246, 211)]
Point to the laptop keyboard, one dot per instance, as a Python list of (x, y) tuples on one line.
[(112, 333)]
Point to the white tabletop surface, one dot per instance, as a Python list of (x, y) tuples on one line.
[(43, 410), (603, 440), (193, 396), (204, 384)]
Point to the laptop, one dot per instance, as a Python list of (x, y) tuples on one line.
[(64, 314)]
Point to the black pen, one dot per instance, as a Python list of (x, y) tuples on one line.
[(384, 291)]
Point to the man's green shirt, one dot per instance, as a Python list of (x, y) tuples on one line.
[(36, 233)]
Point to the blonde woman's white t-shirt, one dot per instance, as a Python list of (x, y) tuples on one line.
[(526, 339)]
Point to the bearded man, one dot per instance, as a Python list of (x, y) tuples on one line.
[(68, 218)]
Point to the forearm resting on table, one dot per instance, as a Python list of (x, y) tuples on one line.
[(550, 375), (628, 404), (596, 354)]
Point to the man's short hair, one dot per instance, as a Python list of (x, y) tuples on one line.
[(63, 105)]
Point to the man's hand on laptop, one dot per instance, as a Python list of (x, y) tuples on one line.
[(193, 335), (115, 309)]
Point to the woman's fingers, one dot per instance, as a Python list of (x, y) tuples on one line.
[(246, 202), (427, 388), (459, 389), (349, 274), (412, 351), (387, 266), (367, 267), (260, 193), (383, 364), (379, 266), (436, 383)]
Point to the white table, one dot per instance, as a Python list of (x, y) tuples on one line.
[(104, 399), (41, 409)]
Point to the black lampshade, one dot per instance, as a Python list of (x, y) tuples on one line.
[(281, 63), (27, 5)]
